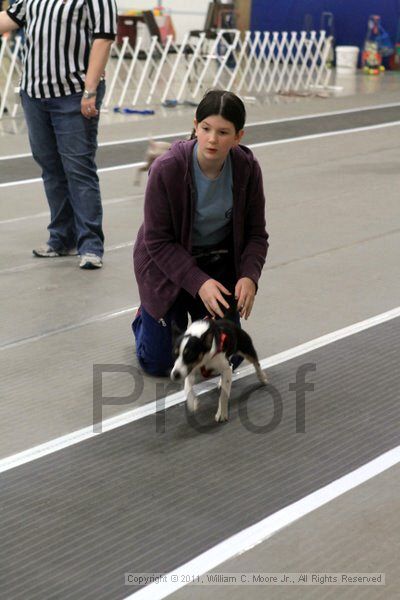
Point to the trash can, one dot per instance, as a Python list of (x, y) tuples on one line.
[(347, 58)]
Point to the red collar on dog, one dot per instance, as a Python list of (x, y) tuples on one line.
[(222, 338), (220, 348)]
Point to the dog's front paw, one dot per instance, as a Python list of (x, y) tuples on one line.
[(221, 416), (192, 403)]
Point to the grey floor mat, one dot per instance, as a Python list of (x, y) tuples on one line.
[(153, 494), (119, 154)]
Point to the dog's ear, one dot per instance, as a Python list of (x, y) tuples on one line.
[(175, 331), (207, 340)]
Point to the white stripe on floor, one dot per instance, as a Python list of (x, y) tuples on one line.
[(250, 124), (41, 262), (47, 214), (261, 531), (269, 267), (39, 179), (261, 144), (139, 413), (96, 319)]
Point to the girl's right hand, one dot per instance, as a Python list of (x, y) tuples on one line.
[(211, 294)]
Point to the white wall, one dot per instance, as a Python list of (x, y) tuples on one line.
[(185, 15)]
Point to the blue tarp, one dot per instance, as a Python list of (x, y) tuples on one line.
[(351, 16)]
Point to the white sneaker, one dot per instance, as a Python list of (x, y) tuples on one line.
[(49, 252), (90, 261)]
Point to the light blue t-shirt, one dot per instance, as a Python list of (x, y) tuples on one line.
[(214, 201)]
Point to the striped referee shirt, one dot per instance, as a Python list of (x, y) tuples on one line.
[(59, 34)]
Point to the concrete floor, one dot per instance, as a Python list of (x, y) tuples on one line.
[(334, 220)]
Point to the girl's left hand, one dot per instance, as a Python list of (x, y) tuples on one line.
[(245, 291)]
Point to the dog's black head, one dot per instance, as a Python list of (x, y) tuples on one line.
[(191, 347)]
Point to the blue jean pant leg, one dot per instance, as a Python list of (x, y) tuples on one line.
[(153, 344), (62, 234), (77, 144), (154, 339)]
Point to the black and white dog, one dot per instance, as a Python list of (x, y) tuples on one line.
[(206, 346)]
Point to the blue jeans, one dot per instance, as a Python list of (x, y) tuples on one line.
[(154, 340), (64, 145)]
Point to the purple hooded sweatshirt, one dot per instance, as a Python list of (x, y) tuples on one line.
[(162, 253)]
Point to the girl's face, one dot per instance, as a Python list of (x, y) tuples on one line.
[(216, 136)]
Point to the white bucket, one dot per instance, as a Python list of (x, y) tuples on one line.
[(347, 58)]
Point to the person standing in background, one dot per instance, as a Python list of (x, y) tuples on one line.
[(67, 47)]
